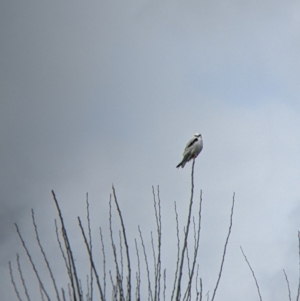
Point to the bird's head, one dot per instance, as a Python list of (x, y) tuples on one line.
[(197, 135)]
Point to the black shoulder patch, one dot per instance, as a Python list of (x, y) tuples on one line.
[(192, 142)]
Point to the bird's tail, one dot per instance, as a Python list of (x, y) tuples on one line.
[(185, 159), (182, 163)]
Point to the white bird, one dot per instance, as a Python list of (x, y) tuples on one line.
[(192, 150)]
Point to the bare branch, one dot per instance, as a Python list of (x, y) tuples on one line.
[(42, 294), (157, 208), (178, 252), (69, 252), (150, 296), (61, 248), (91, 259), (138, 274), (207, 295), (88, 293), (63, 294), (196, 286), (126, 246), (70, 291), (115, 288), (224, 252), (44, 255), (80, 288), (154, 258), (22, 278), (90, 244), (288, 284), (256, 283), (104, 264), (201, 289), (68, 267), (165, 284), (196, 248), (188, 262), (178, 292), (118, 275), (121, 256), (13, 282), (32, 263)]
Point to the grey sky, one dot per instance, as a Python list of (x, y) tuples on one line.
[(101, 92)]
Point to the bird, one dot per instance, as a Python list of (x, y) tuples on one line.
[(192, 150)]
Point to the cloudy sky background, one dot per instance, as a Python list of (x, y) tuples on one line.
[(107, 92)]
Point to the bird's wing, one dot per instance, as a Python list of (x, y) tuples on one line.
[(190, 146), (191, 142)]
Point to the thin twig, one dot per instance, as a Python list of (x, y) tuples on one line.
[(88, 293), (114, 287), (42, 294), (104, 264), (32, 263), (150, 296), (121, 256), (157, 208), (22, 278), (155, 267), (63, 254), (224, 252), (126, 246), (13, 282), (70, 292), (44, 255), (207, 295), (196, 247), (178, 252), (138, 274), (165, 284), (90, 243), (154, 259), (188, 262), (60, 246), (178, 292), (288, 284), (201, 289), (256, 283), (63, 294), (80, 287), (91, 258), (118, 275), (69, 252), (196, 286)]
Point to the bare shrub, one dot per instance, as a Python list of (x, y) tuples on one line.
[(125, 275)]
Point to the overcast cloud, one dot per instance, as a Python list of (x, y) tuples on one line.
[(101, 92)]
